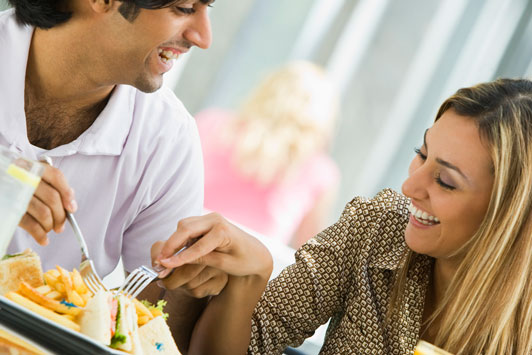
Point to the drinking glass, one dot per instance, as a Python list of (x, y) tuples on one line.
[(19, 178)]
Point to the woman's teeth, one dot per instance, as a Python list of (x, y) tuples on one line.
[(167, 55), (423, 217)]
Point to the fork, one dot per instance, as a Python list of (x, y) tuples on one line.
[(86, 267), (137, 281), (142, 277)]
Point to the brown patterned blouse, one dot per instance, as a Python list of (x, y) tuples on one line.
[(345, 274)]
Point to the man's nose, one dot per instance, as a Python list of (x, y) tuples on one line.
[(199, 31)]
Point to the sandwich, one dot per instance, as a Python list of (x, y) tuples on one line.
[(16, 268), (156, 338), (111, 320)]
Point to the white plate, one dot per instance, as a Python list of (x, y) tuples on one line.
[(47, 334)]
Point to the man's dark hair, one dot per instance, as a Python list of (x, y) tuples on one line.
[(49, 13)]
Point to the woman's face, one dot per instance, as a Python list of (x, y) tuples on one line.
[(450, 183)]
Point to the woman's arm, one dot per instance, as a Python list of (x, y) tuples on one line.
[(225, 325)]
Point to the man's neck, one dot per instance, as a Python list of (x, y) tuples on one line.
[(62, 97)]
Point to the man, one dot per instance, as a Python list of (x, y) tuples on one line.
[(79, 85)]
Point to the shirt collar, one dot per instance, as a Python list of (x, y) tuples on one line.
[(106, 136)]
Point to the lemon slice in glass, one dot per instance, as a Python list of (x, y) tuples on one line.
[(23, 176)]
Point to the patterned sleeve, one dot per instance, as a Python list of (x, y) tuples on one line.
[(307, 293)]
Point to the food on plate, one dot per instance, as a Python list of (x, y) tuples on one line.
[(42, 311), (115, 320), (156, 339), (11, 344), (25, 266), (112, 320)]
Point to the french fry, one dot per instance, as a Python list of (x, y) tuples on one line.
[(155, 312), (29, 292), (44, 289), (76, 299), (142, 320), (60, 287), (42, 311), (55, 295), (54, 273), (142, 310), (78, 283), (65, 278), (50, 279), (69, 317), (86, 296)]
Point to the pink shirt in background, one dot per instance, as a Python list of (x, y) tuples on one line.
[(274, 210), (136, 171)]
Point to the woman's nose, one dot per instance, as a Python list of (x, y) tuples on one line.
[(416, 185)]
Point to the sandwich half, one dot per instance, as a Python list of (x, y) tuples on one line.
[(156, 338), (111, 320), (16, 268)]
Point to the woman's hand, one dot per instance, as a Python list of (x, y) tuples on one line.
[(46, 210), (213, 243)]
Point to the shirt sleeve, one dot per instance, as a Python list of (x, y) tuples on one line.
[(172, 190), (307, 293)]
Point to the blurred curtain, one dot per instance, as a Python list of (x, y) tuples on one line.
[(395, 62)]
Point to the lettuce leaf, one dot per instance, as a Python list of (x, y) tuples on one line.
[(118, 338), (159, 307)]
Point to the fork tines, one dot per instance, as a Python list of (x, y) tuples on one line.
[(137, 281), (92, 280)]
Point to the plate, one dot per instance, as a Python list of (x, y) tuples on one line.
[(49, 335)]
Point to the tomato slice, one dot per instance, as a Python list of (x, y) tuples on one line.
[(113, 307)]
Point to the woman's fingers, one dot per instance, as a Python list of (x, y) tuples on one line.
[(196, 252)]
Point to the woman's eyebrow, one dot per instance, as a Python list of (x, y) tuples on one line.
[(451, 166), (444, 162)]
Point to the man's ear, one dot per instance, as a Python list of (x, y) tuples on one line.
[(102, 6)]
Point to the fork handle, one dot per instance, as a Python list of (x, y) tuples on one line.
[(79, 236), (72, 220)]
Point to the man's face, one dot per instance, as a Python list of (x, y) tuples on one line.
[(140, 50)]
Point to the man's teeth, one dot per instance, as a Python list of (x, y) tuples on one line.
[(423, 217), (167, 55)]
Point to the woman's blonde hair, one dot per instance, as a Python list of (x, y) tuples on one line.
[(487, 308), (288, 117)]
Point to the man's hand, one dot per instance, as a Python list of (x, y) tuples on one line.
[(46, 210), (216, 249)]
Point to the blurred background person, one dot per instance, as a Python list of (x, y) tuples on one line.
[(267, 165)]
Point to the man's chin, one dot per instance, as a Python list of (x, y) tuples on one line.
[(148, 86)]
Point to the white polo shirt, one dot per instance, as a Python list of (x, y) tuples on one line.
[(136, 171)]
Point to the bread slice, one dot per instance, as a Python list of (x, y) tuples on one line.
[(156, 338), (21, 267), (95, 319)]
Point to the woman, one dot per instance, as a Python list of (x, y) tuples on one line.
[(449, 262), (272, 154)]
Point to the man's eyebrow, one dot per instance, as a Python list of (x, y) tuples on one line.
[(208, 2)]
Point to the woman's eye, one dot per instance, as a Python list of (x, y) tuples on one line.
[(420, 154), (443, 184)]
